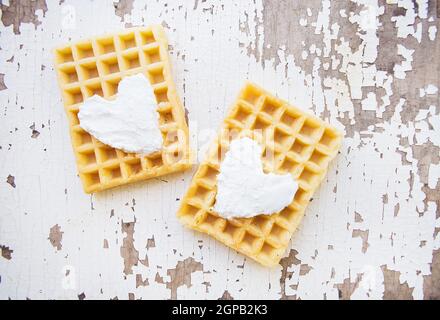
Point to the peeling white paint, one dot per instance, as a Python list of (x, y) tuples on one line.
[(369, 103), (429, 89), (432, 32), (401, 69), (405, 24), (422, 8), (304, 54)]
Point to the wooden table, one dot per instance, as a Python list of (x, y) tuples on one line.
[(372, 230)]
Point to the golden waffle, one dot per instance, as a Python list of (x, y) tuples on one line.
[(292, 141), (96, 66)]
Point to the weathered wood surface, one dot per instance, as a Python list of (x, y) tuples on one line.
[(372, 231)]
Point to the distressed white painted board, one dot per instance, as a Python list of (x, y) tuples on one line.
[(369, 67)]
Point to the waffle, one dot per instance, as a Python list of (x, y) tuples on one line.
[(292, 142), (96, 66)]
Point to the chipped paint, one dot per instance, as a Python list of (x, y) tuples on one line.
[(363, 234), (394, 289), (2, 82), (17, 12), (35, 133), (432, 31), (128, 251), (431, 288), (429, 89), (6, 252), (123, 9), (181, 275), (226, 296), (140, 282), (366, 66), (11, 181), (347, 288), (401, 69), (286, 263), (151, 243), (56, 237)]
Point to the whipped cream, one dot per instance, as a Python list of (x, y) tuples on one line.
[(130, 122), (244, 190)]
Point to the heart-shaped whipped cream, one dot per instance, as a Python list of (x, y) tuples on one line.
[(130, 122), (244, 190)]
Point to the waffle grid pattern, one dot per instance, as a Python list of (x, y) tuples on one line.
[(292, 142), (96, 66)]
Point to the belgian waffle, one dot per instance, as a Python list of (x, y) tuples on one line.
[(292, 142), (96, 66)]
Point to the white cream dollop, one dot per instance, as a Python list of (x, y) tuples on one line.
[(130, 122), (244, 190)]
